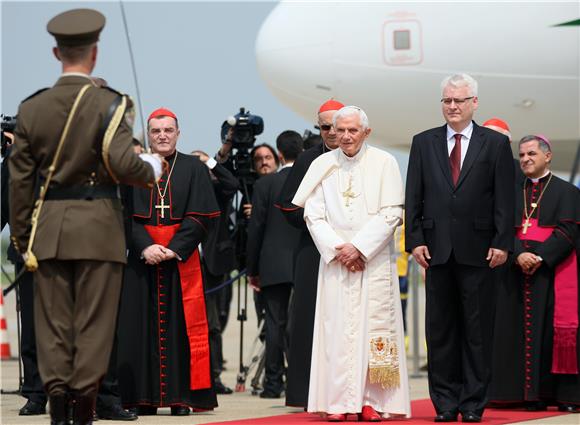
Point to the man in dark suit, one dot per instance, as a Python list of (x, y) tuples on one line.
[(270, 259), (218, 260), (459, 217)]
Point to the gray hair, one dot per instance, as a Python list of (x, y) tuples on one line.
[(460, 80), (544, 147), (351, 110)]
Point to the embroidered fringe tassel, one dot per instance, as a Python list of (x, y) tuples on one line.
[(386, 376)]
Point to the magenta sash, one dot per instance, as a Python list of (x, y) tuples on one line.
[(564, 358)]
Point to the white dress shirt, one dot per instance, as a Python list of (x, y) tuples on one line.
[(465, 138)]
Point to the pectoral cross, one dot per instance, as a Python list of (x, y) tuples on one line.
[(348, 194), (162, 207), (525, 225)]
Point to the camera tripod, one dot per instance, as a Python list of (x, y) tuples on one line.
[(255, 364)]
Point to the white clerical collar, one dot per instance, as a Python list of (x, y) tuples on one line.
[(466, 132), (76, 74), (327, 148), (357, 157), (540, 178)]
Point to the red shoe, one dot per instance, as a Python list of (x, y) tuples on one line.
[(336, 417), (369, 414)]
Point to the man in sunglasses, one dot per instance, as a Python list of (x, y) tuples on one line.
[(459, 226), (306, 264)]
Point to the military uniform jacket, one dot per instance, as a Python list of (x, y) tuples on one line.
[(71, 229)]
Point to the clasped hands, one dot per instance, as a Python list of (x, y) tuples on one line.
[(496, 257), (155, 254), (350, 257), (528, 262)]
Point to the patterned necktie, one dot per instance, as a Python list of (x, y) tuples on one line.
[(455, 159)]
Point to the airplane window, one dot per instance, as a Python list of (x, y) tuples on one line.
[(402, 40)]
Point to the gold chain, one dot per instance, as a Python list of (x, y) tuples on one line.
[(528, 216), (162, 196)]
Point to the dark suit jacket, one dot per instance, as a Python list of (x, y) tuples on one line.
[(467, 219), (272, 241), (218, 248)]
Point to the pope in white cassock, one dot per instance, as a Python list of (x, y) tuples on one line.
[(353, 202)]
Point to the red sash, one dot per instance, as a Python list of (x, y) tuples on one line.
[(564, 358), (193, 309)]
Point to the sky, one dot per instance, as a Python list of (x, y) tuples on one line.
[(194, 57)]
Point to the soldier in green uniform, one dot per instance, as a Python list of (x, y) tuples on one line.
[(73, 144)]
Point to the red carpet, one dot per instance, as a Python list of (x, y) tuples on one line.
[(422, 412)]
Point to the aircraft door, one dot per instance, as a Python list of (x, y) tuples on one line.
[(402, 42)]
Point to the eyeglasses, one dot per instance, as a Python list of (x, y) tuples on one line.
[(324, 127), (448, 100)]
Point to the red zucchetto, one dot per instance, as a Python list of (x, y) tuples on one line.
[(330, 105), (499, 126), (161, 112)]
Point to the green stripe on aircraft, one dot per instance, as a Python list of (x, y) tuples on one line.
[(574, 23)]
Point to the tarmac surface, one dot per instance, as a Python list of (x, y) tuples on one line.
[(239, 405)]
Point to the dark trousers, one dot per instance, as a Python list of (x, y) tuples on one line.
[(459, 319), (75, 312), (32, 387), (275, 299), (224, 303), (404, 291), (212, 305), (109, 394)]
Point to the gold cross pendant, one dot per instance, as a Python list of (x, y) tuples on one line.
[(348, 194), (525, 225), (162, 207)]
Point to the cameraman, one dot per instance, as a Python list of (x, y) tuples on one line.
[(218, 260), (264, 161)]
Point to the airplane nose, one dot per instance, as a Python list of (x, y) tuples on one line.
[(294, 54)]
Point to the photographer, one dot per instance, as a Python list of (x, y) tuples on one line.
[(218, 260)]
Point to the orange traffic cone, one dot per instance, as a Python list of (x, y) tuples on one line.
[(4, 344)]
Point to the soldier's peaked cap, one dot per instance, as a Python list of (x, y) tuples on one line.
[(77, 27)]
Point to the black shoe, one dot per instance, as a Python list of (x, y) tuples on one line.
[(83, 409), (569, 408), (220, 388), (115, 413), (179, 411), (146, 410), (447, 416), (58, 409), (270, 394), (32, 408), (470, 416), (536, 406)]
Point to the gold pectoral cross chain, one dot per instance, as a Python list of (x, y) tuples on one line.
[(348, 194), (162, 207), (534, 205), (525, 225)]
